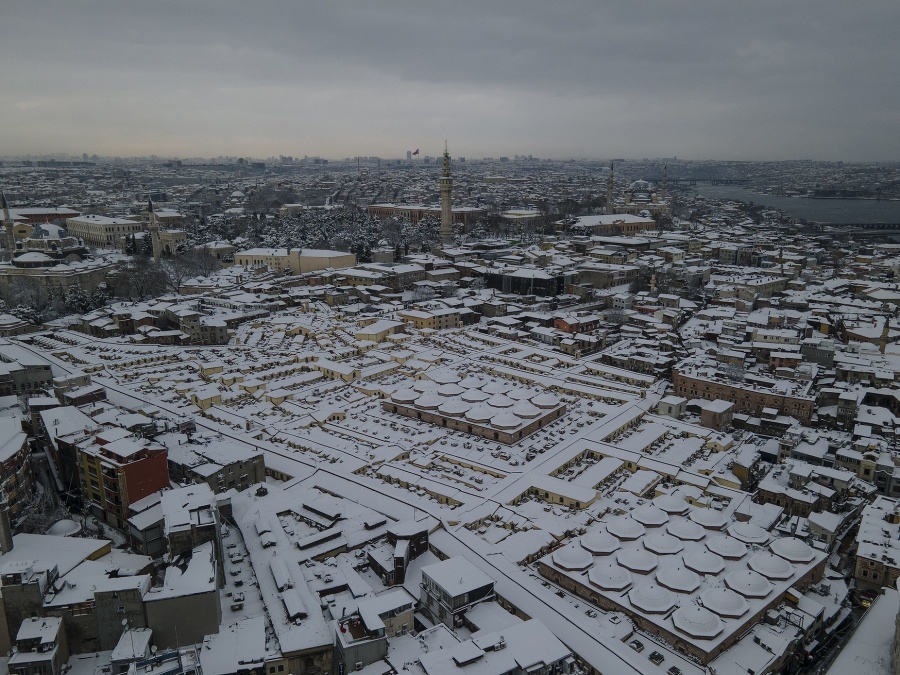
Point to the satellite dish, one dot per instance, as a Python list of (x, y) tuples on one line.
[(153, 649), (124, 622)]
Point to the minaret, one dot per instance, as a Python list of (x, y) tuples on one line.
[(609, 190), (154, 231), (8, 226), (6, 534), (665, 181), (885, 332), (446, 193)]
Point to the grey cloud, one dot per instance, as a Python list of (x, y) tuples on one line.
[(693, 78)]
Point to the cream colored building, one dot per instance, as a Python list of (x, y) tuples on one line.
[(296, 260), (101, 230)]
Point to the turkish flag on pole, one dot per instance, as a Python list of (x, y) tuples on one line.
[(416, 151)]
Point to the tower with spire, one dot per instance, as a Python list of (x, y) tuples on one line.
[(446, 204), (153, 226), (609, 190), (8, 227), (665, 185)]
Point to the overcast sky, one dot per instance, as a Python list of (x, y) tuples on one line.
[(694, 78)]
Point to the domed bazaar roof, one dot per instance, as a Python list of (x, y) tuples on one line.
[(450, 389), (475, 396), (793, 549), (496, 387), (505, 420), (600, 542), (724, 602), (481, 413), (405, 396), (430, 400), (727, 547), (572, 557), (624, 527), (651, 598), (662, 543), (697, 622), (609, 576), (749, 533), (545, 401), (704, 562), (709, 518), (686, 529), (748, 583), (672, 504), (637, 560), (649, 515), (678, 579), (454, 407), (771, 566)]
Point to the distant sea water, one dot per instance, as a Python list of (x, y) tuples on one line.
[(834, 211)]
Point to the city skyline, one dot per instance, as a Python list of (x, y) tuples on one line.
[(762, 82)]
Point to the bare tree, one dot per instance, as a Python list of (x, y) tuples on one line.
[(176, 270), (145, 278), (23, 291), (203, 262)]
